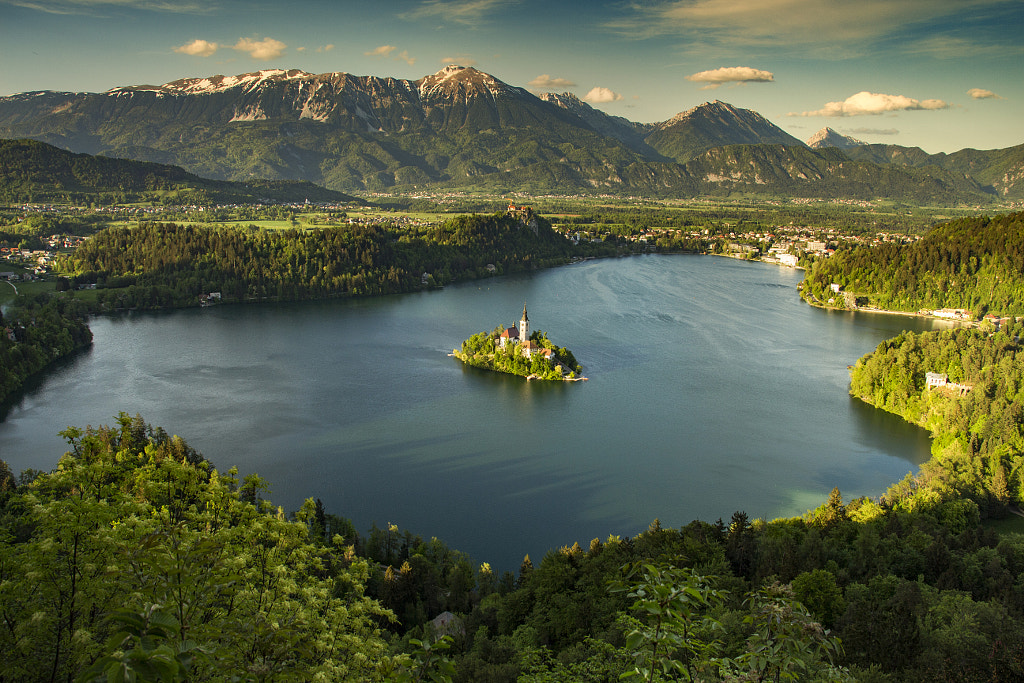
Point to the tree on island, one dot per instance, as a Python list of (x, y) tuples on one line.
[(505, 350)]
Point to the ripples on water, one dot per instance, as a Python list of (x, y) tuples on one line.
[(712, 388)]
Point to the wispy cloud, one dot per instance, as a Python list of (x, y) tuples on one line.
[(731, 74), (601, 95), (325, 48), (386, 51), (466, 12), (268, 48), (546, 81), (982, 94), (102, 6), (945, 46), (872, 131), (198, 48), (825, 25), (869, 103)]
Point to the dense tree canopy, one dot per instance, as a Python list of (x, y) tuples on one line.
[(135, 556), (164, 265), (978, 446), (35, 334), (972, 263)]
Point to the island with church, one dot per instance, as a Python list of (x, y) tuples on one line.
[(518, 351)]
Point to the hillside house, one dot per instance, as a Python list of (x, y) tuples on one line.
[(937, 380), (953, 313)]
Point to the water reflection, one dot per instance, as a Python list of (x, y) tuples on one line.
[(712, 389)]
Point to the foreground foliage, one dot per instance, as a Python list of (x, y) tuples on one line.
[(134, 555), (136, 560)]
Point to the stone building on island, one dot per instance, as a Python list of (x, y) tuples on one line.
[(521, 335)]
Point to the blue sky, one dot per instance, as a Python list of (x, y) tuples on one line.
[(942, 75)]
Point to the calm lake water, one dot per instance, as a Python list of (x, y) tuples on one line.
[(712, 389)]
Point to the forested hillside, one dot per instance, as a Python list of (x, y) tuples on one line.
[(978, 446), (971, 263), (32, 171), (35, 334), (165, 265), (135, 559)]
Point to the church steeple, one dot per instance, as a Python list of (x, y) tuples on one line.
[(524, 326)]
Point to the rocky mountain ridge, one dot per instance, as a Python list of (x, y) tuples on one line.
[(461, 127)]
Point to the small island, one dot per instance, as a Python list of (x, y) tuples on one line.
[(517, 351)]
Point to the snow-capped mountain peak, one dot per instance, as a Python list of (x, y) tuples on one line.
[(826, 137), (461, 81), (219, 83)]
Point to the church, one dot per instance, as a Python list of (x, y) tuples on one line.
[(521, 335)]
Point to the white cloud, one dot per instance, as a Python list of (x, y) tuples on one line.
[(197, 48), (381, 51), (731, 74), (868, 103), (601, 95), (325, 48), (546, 81), (982, 94), (466, 12), (268, 48), (404, 56), (461, 60)]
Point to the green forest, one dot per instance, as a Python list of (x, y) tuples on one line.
[(978, 437), (162, 265), (36, 333), (136, 559), (971, 263)]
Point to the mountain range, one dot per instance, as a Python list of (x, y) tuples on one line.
[(462, 128)]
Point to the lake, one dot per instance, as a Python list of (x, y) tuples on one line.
[(712, 388)]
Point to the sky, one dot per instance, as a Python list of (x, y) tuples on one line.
[(942, 75)]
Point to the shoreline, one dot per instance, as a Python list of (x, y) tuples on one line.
[(885, 311), (464, 359)]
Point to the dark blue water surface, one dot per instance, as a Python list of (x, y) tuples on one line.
[(712, 389)]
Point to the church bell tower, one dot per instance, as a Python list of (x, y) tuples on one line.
[(524, 327)]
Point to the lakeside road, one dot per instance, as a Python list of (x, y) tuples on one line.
[(918, 314)]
